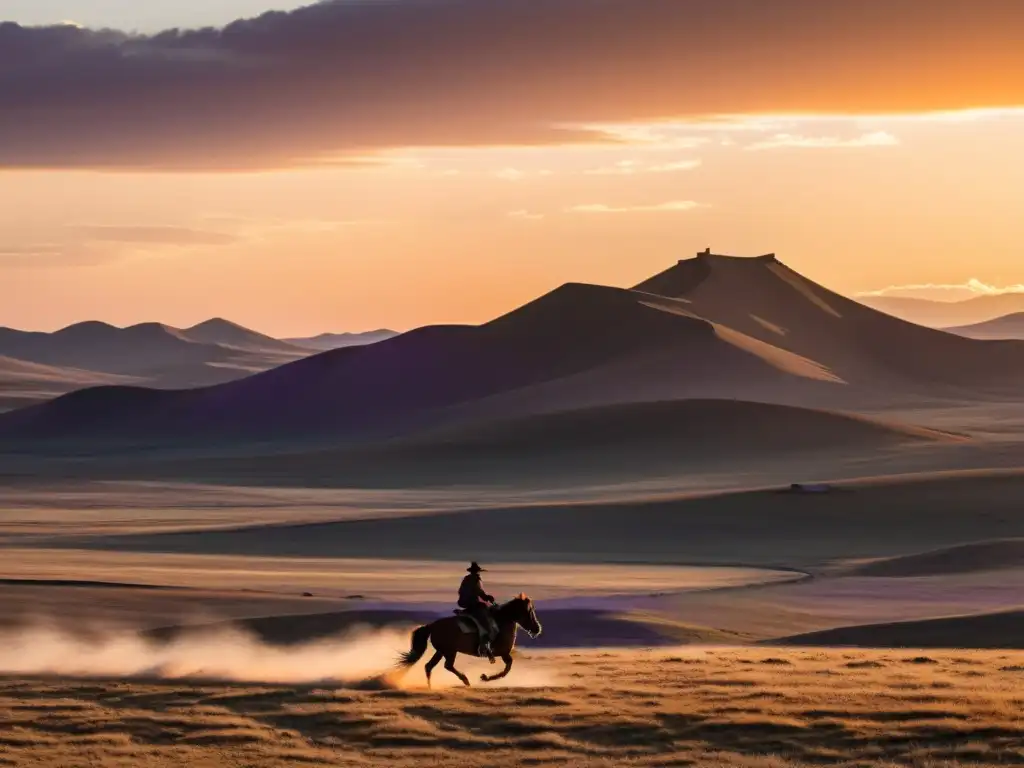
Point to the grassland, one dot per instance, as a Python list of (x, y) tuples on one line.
[(750, 708)]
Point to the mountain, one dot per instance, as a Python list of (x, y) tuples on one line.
[(578, 346), (710, 327), (151, 353), (870, 350), (944, 314), (328, 341), (228, 334), (1005, 327)]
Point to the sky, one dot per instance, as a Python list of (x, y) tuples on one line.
[(394, 163)]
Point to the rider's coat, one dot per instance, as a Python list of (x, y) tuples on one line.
[(471, 592)]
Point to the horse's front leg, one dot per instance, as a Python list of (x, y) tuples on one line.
[(507, 658), (449, 664)]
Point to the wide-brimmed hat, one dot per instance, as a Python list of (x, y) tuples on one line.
[(475, 568)]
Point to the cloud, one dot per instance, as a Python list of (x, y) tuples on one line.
[(338, 81), (515, 174), (152, 235), (36, 249), (789, 140), (525, 215), (511, 174), (631, 167), (95, 244), (945, 291), (55, 255), (682, 165), (672, 206)]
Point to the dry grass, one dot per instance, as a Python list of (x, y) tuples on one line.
[(764, 708)]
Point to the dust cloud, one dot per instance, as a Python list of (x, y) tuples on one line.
[(360, 656)]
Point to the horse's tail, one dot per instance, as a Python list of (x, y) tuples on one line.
[(420, 637)]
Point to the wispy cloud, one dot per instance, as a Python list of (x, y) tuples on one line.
[(681, 165), (510, 174), (631, 168), (658, 135), (33, 249), (151, 235), (945, 291), (524, 215), (796, 141), (516, 174), (251, 227), (94, 244), (669, 207), (56, 255)]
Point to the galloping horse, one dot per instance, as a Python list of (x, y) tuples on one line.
[(449, 639)]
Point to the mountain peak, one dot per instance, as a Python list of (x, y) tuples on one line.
[(707, 255), (216, 323), (217, 330), (88, 325), (687, 274)]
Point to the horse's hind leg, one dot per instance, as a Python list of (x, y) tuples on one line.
[(449, 664), (433, 663)]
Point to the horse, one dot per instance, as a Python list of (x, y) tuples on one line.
[(449, 639)]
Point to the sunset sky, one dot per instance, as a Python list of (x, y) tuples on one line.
[(394, 163)]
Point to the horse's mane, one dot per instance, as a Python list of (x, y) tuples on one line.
[(521, 597)]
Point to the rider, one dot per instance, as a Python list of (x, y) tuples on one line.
[(477, 603)]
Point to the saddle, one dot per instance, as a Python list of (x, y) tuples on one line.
[(471, 623)]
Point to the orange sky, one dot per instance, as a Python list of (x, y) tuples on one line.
[(465, 232)]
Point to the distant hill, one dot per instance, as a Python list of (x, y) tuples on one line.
[(1005, 327), (945, 314), (328, 341), (228, 334), (152, 353)]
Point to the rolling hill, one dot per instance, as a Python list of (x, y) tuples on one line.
[(1005, 327), (328, 341), (23, 383), (989, 630), (625, 441), (966, 558)]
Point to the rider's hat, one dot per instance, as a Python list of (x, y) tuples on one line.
[(474, 568)]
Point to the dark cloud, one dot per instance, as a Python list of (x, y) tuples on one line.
[(342, 79)]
